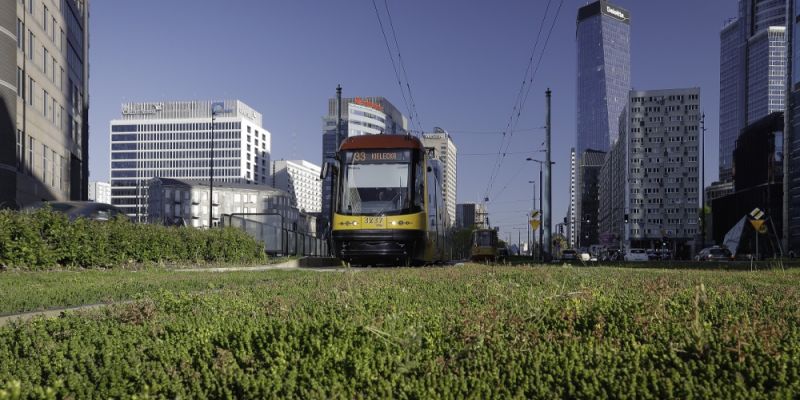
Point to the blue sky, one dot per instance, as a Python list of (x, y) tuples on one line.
[(465, 62)]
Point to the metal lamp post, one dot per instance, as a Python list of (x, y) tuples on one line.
[(216, 108), (541, 201), (533, 208)]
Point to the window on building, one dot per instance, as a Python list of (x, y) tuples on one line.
[(31, 40), (29, 160), (45, 59), (31, 86), (45, 154), (20, 35)]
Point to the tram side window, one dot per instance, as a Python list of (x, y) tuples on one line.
[(419, 186)]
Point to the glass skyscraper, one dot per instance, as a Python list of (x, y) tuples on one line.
[(604, 81), (604, 73), (752, 72)]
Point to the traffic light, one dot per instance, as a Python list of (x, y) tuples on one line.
[(626, 218)]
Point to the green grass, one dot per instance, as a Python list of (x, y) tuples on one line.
[(471, 331)]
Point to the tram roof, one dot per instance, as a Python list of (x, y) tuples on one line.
[(381, 142)]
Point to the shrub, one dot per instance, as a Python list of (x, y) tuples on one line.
[(45, 239)]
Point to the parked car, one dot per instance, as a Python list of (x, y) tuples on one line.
[(83, 209), (714, 253), (636, 255), (652, 254), (569, 255)]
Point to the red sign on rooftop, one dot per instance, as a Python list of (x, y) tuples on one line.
[(367, 103)]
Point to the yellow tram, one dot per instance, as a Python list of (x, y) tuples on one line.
[(388, 206), (484, 245)]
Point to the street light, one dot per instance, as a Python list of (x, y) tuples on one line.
[(541, 225), (216, 107), (533, 208)]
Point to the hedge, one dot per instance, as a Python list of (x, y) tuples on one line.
[(45, 239)]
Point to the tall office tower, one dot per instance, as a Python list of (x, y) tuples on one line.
[(604, 80), (752, 72), (662, 190), (173, 140), (604, 73), (360, 116), (44, 108), (446, 153), (300, 179)]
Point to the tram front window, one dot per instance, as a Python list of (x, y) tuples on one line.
[(483, 239), (376, 182)]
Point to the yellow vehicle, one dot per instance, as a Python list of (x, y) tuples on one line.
[(388, 207), (484, 245)]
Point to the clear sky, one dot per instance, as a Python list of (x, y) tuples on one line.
[(465, 62)]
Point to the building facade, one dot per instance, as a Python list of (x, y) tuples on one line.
[(758, 180), (663, 161), (612, 191), (360, 116), (100, 192), (588, 225), (447, 154), (174, 140), (752, 71), (300, 179), (470, 215), (185, 202), (573, 199), (604, 73), (44, 101)]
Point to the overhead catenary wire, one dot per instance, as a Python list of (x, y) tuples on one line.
[(403, 68), (407, 101), (521, 97)]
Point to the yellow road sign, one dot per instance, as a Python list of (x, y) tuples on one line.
[(535, 224), (759, 226)]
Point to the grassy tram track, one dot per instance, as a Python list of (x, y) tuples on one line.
[(480, 331)]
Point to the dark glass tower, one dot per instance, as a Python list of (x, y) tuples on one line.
[(752, 72), (604, 81)]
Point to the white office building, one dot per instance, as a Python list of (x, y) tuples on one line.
[(446, 153), (173, 140), (300, 179), (100, 192)]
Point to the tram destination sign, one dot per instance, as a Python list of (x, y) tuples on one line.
[(380, 156)]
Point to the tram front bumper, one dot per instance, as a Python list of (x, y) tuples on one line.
[(379, 246)]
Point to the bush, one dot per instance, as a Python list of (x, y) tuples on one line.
[(44, 239)]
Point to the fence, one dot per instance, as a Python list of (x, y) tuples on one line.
[(278, 239)]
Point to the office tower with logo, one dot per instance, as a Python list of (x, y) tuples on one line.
[(603, 83), (44, 105), (173, 139)]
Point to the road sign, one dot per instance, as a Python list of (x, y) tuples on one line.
[(759, 225), (535, 224), (757, 214)]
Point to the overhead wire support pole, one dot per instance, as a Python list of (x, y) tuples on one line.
[(548, 185)]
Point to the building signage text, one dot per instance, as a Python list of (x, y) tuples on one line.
[(139, 109), (367, 103), (617, 13)]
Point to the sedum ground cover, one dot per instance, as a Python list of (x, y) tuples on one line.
[(456, 332)]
